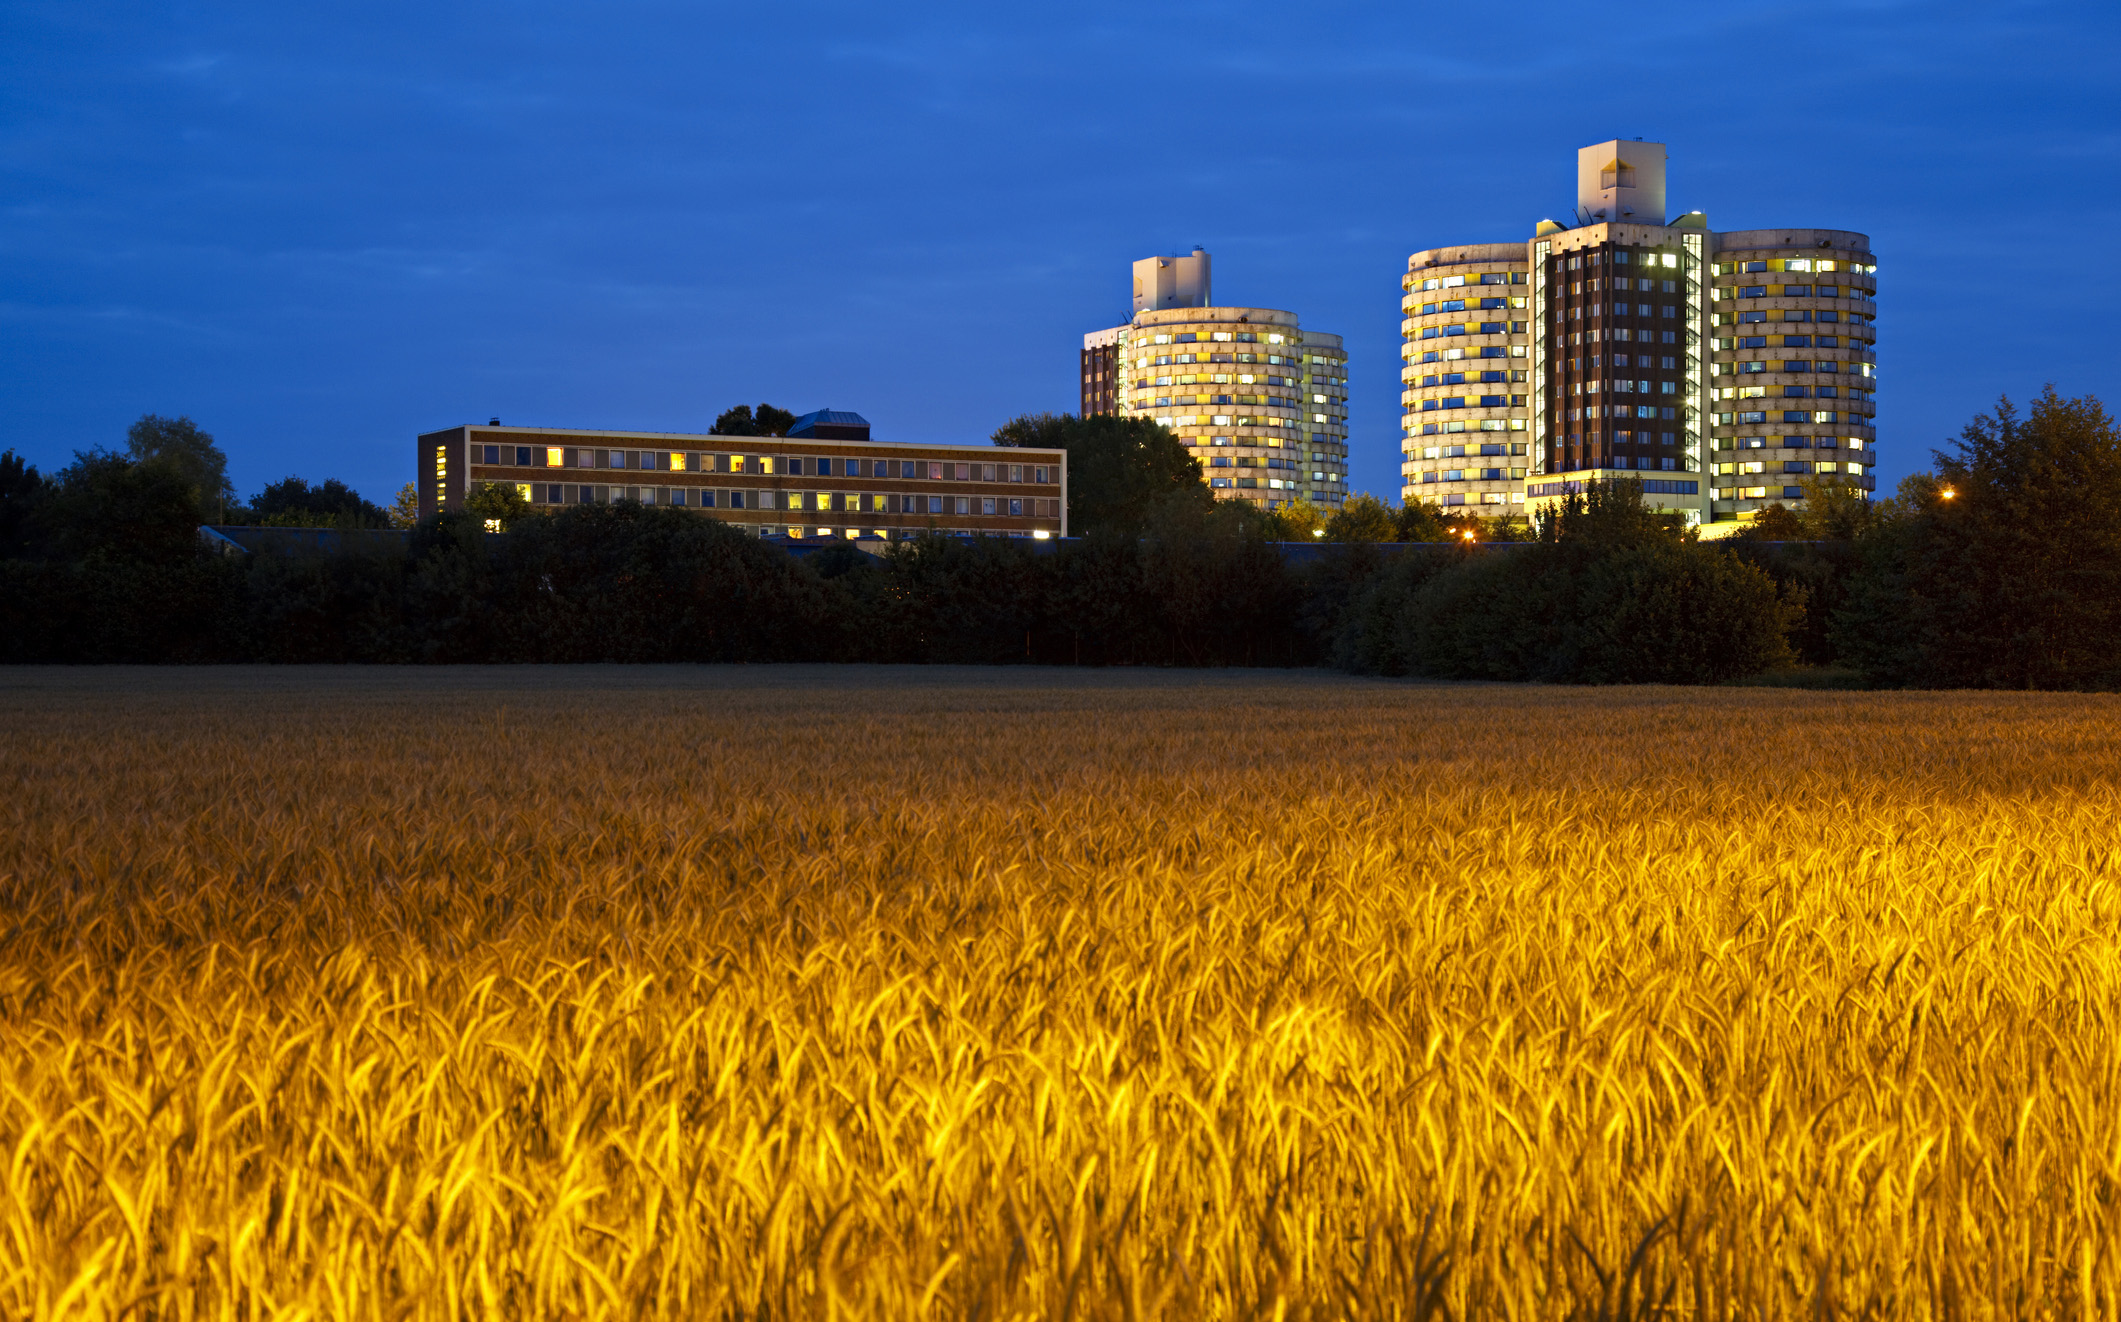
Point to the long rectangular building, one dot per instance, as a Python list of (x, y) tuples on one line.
[(794, 486)]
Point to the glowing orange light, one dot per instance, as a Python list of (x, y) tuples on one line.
[(1948, 493)]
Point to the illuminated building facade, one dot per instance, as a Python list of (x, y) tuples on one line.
[(1260, 402), (1722, 370), (1465, 377), (825, 482)]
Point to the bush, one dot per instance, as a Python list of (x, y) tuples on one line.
[(2013, 579), (1611, 593)]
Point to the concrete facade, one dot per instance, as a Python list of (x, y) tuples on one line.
[(1465, 377), (770, 485), (1174, 282)]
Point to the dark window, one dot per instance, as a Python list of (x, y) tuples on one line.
[(492, 454), (523, 459), (1753, 291)]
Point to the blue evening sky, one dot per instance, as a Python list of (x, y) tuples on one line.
[(318, 229)]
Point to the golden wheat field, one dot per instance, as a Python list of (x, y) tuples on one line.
[(897, 993)]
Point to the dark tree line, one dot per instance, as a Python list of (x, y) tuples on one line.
[(2002, 568)]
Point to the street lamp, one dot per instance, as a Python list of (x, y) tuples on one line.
[(1947, 493)]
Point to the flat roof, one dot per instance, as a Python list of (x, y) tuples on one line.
[(726, 442)]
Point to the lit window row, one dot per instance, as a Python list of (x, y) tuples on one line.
[(1218, 337), (1469, 475), (1791, 291), (1790, 443), (708, 498), (1459, 355), (1471, 402), (1460, 281), (692, 461), (1466, 304), (1814, 264), (1470, 328), (1758, 315), (1792, 392), (1740, 419), (1477, 424), (1744, 467), (1461, 378), (1780, 342), (1792, 365)]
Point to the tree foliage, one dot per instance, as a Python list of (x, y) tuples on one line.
[(2000, 569), (22, 492), (2013, 579), (1611, 592), (498, 505), (293, 503), (179, 446), (742, 420), (1122, 472)]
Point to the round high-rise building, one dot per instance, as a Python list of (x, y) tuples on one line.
[(1794, 367), (1260, 402), (1463, 377)]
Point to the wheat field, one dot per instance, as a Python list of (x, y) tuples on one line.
[(900, 993)]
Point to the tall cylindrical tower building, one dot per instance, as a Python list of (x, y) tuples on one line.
[(1463, 377), (1794, 366), (1260, 402)]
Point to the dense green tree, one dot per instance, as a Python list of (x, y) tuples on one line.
[(1294, 521), (2003, 569), (1363, 518), (498, 505), (1611, 591), (110, 506), (22, 493), (178, 445), (744, 421), (1122, 472), (293, 503), (1419, 521), (1811, 550), (404, 509)]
